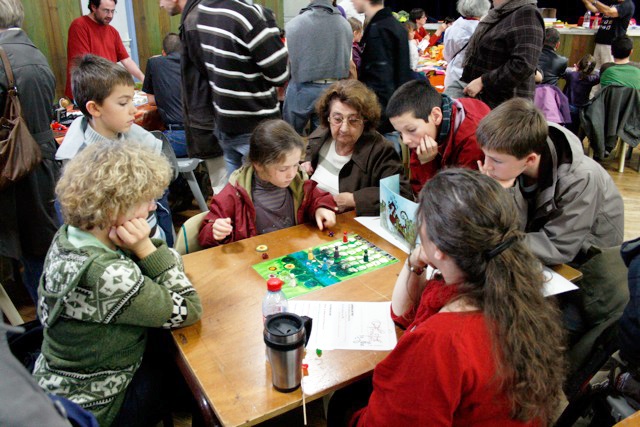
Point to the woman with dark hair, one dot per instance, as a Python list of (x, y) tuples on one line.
[(483, 347), (346, 156)]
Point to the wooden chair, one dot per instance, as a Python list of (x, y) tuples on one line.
[(613, 113), (187, 241)]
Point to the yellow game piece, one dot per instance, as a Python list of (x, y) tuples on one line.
[(289, 266), (262, 248), (310, 255)]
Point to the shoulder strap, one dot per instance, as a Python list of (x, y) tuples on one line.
[(12, 107), (7, 69)]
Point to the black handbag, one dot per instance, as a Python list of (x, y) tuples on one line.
[(19, 151)]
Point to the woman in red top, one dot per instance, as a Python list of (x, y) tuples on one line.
[(483, 347)]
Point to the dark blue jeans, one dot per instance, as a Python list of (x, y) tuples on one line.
[(178, 140)]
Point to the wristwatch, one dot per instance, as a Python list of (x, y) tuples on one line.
[(415, 270)]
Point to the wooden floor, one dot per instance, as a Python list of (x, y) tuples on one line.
[(628, 183)]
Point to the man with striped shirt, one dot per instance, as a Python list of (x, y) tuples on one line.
[(245, 60)]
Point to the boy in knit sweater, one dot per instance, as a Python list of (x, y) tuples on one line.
[(106, 285)]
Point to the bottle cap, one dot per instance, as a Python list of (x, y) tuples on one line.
[(274, 284)]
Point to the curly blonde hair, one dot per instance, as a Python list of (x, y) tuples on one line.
[(356, 95), (107, 179)]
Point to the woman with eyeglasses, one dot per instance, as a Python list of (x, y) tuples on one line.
[(346, 156)]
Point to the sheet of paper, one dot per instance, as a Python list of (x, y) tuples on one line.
[(345, 325), (555, 283), (373, 223)]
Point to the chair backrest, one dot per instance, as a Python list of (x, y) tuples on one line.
[(613, 112), (187, 241)]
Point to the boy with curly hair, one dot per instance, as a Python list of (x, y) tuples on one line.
[(106, 286)]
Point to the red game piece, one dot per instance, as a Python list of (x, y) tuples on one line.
[(344, 237), (265, 255)]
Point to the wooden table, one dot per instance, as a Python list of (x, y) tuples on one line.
[(225, 352), (223, 356)]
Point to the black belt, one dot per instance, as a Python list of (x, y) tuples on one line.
[(175, 127)]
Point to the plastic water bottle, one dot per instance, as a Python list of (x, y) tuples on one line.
[(587, 19), (274, 301)]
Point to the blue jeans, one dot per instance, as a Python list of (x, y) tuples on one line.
[(32, 267), (235, 148), (165, 222), (178, 140), (299, 104)]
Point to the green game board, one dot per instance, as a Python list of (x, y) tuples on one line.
[(302, 275)]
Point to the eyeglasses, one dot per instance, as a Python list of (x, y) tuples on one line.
[(108, 11), (351, 121)]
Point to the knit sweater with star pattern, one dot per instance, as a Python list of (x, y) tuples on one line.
[(96, 305)]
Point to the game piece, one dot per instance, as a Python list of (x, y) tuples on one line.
[(331, 234), (325, 266), (336, 253), (319, 352), (366, 255), (293, 282), (305, 369), (261, 248), (310, 255), (265, 255), (344, 237)]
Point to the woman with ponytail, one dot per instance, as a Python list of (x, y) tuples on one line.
[(483, 347)]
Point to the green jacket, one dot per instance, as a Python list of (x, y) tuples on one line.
[(96, 305)]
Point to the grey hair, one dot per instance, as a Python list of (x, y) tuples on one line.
[(11, 14), (469, 8)]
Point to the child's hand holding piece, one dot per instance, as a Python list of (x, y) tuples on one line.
[(221, 228), (325, 218)]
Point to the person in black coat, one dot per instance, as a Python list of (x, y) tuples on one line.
[(550, 63), (384, 65), (28, 220)]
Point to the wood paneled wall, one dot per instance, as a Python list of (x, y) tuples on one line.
[(152, 25), (46, 22)]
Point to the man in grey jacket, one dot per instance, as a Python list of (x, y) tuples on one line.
[(570, 209), (319, 41)]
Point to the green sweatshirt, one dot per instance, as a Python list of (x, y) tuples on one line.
[(96, 305)]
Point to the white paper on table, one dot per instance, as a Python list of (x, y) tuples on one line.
[(556, 284), (346, 325), (373, 223)]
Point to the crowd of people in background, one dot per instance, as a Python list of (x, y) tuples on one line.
[(298, 125)]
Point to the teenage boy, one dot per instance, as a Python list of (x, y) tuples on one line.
[(621, 72), (571, 210), (439, 131), (104, 92)]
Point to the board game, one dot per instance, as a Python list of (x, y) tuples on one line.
[(324, 265)]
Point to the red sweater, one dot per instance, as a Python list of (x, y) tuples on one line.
[(441, 373), (87, 36), (461, 147), (234, 201)]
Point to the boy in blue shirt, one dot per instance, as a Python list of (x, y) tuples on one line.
[(104, 93)]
